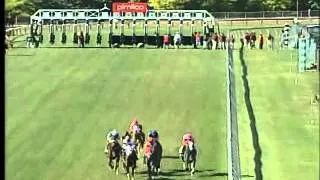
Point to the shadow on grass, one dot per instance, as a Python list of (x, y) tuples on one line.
[(176, 173), (101, 47), (255, 136), (20, 55), (179, 172), (170, 157)]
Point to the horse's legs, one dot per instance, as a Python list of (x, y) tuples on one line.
[(144, 160), (132, 172), (123, 159), (149, 169), (117, 166), (128, 172), (193, 167), (111, 163)]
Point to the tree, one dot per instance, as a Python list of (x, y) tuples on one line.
[(275, 5)]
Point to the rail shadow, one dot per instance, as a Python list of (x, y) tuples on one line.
[(255, 135), (101, 47), (170, 157), (179, 173), (19, 55)]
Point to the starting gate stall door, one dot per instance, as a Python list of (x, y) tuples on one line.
[(127, 32), (187, 33), (175, 28), (116, 27), (151, 38), (139, 31), (163, 27)]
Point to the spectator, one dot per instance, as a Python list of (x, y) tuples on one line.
[(166, 41), (261, 41), (209, 42), (81, 40), (216, 40), (205, 41), (99, 39), (223, 41), (253, 39), (270, 41), (284, 40), (177, 40), (194, 40), (198, 39), (231, 41), (247, 38)]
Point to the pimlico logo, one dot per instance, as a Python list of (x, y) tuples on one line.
[(130, 7)]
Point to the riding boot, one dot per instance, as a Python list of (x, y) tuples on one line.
[(106, 149), (181, 150)]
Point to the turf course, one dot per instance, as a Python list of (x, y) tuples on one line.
[(284, 121), (61, 101)]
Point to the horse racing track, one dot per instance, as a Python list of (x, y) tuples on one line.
[(61, 102)]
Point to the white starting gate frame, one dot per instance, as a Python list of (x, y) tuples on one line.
[(99, 15)]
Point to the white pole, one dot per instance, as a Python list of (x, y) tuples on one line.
[(297, 8)]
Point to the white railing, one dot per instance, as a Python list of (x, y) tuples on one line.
[(18, 31), (234, 171), (233, 15), (266, 14)]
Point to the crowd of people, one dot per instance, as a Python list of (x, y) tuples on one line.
[(250, 40), (217, 41)]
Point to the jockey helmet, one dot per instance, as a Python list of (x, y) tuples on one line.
[(150, 133), (134, 121), (154, 134), (114, 132)]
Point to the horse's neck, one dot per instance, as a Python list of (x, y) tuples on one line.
[(131, 154)]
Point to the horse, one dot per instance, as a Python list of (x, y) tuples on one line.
[(139, 138), (114, 152), (189, 157), (154, 160), (129, 159)]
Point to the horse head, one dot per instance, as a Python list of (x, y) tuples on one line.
[(191, 146)]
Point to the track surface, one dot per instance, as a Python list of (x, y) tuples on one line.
[(278, 125), (61, 101)]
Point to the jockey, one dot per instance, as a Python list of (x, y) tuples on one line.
[(128, 145), (154, 134), (148, 147), (188, 137), (133, 123), (112, 136)]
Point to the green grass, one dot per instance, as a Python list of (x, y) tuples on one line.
[(60, 102), (287, 123)]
